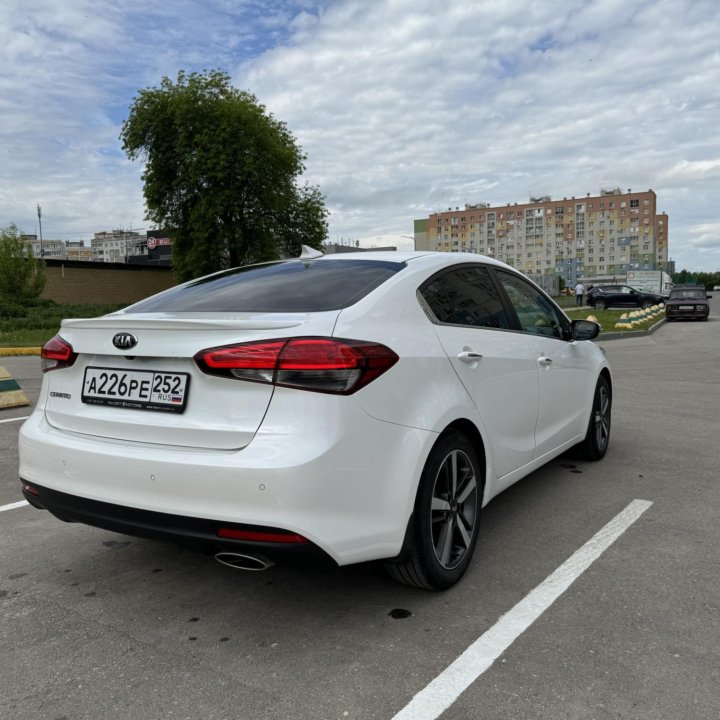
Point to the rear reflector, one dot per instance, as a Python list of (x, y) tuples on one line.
[(330, 365), (30, 489), (274, 536), (57, 354)]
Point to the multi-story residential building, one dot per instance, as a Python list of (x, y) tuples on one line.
[(116, 245), (49, 249), (606, 234)]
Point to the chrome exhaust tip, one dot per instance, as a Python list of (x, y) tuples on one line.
[(243, 561)]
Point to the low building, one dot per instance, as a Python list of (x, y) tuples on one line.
[(48, 249), (333, 248)]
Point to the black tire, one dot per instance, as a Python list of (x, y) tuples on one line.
[(597, 438), (445, 523), (599, 304)]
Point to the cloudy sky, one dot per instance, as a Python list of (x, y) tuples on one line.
[(404, 107)]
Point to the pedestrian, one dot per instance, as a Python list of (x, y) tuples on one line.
[(579, 292)]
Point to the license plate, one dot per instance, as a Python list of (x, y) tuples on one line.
[(687, 307), (136, 389)]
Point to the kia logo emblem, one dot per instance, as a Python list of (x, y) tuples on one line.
[(124, 341)]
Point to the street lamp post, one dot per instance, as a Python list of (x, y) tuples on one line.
[(39, 212)]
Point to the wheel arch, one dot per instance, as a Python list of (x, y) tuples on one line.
[(606, 374), (469, 429)]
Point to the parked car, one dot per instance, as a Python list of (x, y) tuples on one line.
[(621, 296), (688, 302), (353, 407)]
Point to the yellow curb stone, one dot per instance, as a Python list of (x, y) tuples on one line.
[(10, 393)]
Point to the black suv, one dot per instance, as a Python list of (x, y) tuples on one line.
[(622, 296)]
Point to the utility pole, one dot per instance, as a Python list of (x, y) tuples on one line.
[(42, 250)]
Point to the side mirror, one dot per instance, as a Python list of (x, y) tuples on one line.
[(584, 329)]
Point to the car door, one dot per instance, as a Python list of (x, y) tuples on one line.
[(564, 371), (495, 364), (611, 295), (628, 297)]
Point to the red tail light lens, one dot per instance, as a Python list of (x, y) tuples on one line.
[(57, 354), (330, 365), (278, 536)]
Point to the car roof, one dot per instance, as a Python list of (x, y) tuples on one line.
[(429, 257)]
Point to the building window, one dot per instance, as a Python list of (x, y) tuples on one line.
[(634, 203)]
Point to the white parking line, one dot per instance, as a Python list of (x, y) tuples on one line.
[(442, 692), (14, 505), (25, 417)]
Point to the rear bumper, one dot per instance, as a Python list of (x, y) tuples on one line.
[(677, 314), (341, 479), (195, 533)]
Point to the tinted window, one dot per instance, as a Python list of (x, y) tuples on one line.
[(290, 286), (437, 300), (536, 313), (466, 296), (687, 294)]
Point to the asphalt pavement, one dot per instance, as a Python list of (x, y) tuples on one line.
[(98, 625)]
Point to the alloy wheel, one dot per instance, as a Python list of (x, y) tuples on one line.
[(454, 509), (602, 417)]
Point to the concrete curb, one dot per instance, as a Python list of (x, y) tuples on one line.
[(11, 394), (630, 333), (15, 351)]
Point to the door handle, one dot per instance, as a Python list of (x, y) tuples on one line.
[(468, 356), (545, 361)]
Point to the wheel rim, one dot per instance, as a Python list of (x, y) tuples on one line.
[(454, 509), (602, 418), (599, 306)]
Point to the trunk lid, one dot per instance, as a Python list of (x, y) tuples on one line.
[(196, 410)]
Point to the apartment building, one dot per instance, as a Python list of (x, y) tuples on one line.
[(606, 234), (48, 249), (117, 245)]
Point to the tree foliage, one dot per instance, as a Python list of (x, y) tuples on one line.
[(221, 174), (686, 277), (22, 277)]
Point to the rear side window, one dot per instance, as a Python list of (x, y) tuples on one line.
[(535, 312), (466, 296), (288, 286)]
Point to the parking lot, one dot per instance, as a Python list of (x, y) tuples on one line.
[(98, 625)]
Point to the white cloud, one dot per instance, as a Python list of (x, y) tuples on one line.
[(404, 107)]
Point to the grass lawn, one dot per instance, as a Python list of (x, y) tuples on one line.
[(607, 318), (33, 326)]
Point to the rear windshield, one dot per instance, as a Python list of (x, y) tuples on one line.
[(287, 286), (689, 294)]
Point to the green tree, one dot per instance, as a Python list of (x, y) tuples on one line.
[(22, 277), (686, 277), (221, 174)]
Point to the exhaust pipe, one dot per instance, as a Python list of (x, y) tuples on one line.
[(243, 561)]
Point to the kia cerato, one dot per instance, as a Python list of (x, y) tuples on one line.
[(352, 407)]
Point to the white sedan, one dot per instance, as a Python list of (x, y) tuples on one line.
[(352, 407)]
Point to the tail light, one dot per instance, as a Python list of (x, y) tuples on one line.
[(276, 536), (57, 354), (329, 365)]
